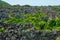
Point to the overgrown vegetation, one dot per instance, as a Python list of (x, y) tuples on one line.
[(58, 38), (41, 21), (3, 29)]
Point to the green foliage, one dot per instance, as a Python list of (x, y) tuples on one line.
[(13, 20), (57, 11), (16, 5), (3, 29), (40, 19), (3, 4), (51, 23), (27, 5), (58, 38), (57, 21)]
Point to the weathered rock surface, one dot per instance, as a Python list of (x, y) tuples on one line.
[(19, 10), (16, 32)]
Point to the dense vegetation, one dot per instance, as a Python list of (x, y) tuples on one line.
[(29, 22), (39, 21)]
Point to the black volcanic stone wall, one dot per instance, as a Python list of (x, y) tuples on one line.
[(16, 32), (6, 11)]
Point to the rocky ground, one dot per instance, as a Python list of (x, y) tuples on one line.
[(19, 10), (16, 32)]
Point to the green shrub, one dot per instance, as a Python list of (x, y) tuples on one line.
[(40, 19), (58, 38), (3, 29)]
